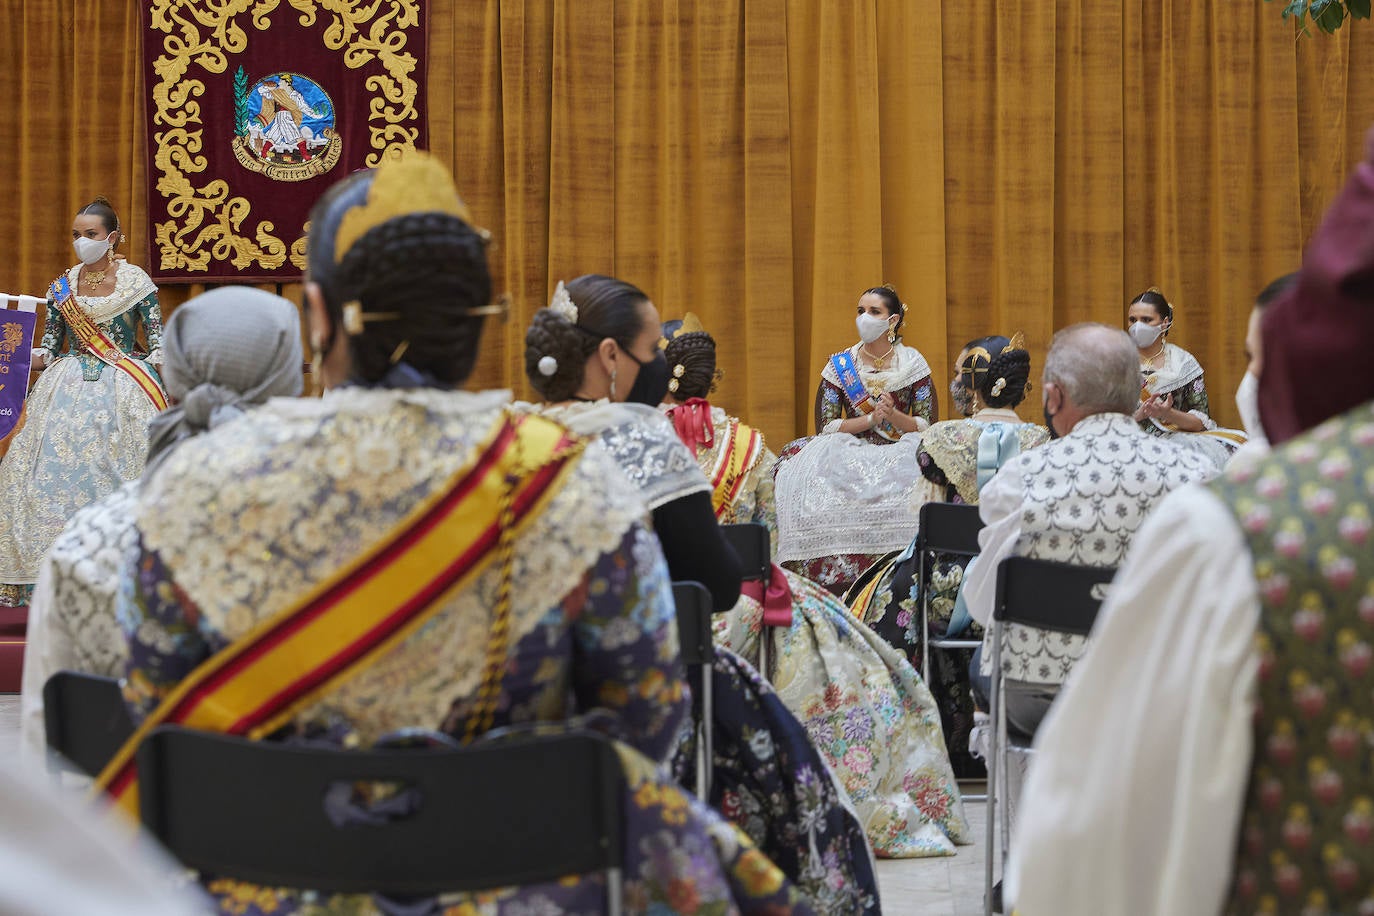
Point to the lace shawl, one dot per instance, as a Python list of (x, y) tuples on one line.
[(642, 441), (1180, 368)]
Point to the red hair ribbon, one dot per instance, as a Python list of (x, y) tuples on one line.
[(692, 420)]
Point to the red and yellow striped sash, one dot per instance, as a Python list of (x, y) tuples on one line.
[(288, 661), (739, 451), (104, 349)]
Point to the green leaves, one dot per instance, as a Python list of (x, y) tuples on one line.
[(1329, 15)]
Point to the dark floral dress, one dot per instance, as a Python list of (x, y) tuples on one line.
[(769, 779)]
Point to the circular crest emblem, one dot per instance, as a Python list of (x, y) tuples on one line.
[(285, 127)]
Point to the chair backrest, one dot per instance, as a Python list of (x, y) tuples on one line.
[(85, 719), (1049, 595), (693, 602), (751, 544), (949, 528), (512, 812)]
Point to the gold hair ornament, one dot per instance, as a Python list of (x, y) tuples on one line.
[(1018, 342), (414, 182), (354, 317)]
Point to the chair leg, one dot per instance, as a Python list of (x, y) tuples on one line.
[(765, 653), (615, 892), (996, 714)]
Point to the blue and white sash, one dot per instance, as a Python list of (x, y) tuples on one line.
[(848, 374)]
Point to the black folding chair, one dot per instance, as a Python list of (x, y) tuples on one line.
[(751, 544), (693, 602), (946, 529), (84, 720), (1059, 597), (515, 812)]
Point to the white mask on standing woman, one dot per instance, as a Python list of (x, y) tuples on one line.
[(871, 327), (92, 251)]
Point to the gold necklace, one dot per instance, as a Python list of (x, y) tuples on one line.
[(93, 277), (1148, 362), (879, 361)]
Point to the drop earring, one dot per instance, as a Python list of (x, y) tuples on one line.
[(613, 370), (891, 336)]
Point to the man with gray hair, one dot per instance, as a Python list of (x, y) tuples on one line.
[(1078, 499)]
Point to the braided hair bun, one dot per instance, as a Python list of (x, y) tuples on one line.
[(428, 268), (1005, 382), (415, 271), (552, 337), (691, 359)]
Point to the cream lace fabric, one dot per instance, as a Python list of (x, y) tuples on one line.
[(643, 442), (72, 623), (303, 486), (842, 495), (1180, 368)]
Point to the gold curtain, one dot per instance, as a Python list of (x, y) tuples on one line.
[(760, 162)]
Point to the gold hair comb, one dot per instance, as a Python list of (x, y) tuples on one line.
[(413, 182)]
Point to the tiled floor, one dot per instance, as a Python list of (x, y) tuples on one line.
[(951, 886)]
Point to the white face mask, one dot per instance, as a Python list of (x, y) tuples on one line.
[(92, 251), (1144, 334), (1247, 402), (871, 327)]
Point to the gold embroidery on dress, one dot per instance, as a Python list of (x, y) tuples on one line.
[(211, 219)]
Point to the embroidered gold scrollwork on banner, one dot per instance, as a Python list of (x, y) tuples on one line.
[(207, 220)]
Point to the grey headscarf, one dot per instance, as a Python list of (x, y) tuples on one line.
[(223, 352)]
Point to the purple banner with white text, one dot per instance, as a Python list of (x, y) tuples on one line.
[(16, 354)]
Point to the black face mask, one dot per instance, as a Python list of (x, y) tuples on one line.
[(651, 384), (1049, 422)]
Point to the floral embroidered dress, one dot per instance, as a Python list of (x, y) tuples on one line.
[(767, 775), (949, 458), (1180, 375), (85, 428), (846, 500), (593, 634), (861, 702)]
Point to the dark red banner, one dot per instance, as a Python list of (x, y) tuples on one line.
[(252, 115)]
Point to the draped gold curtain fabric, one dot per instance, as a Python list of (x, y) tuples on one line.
[(760, 162)]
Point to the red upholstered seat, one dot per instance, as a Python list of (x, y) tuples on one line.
[(13, 623)]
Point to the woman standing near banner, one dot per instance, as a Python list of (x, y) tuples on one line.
[(85, 431)]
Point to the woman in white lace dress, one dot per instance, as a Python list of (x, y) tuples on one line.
[(845, 495)]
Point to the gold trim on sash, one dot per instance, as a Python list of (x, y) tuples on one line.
[(80, 323), (256, 684), (740, 451)]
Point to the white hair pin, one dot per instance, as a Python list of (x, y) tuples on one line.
[(547, 366), (562, 304)]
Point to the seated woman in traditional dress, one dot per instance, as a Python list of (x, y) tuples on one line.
[(729, 451), (767, 776), (862, 703), (1173, 398), (957, 458), (86, 420), (844, 496), (329, 563), (224, 352)]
